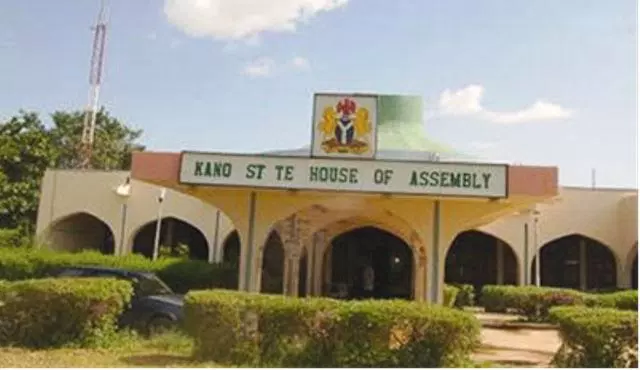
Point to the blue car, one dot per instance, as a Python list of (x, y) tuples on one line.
[(154, 306)]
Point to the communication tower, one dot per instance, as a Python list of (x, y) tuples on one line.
[(95, 78)]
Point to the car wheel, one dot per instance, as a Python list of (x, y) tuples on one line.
[(159, 324)]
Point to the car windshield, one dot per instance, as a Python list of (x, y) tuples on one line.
[(150, 285)]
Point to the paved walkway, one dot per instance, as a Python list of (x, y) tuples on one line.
[(528, 347)]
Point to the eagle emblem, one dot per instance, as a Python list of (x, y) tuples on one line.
[(345, 127)]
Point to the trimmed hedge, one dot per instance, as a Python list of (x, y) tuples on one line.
[(596, 337), (450, 294), (12, 237), (529, 301), (58, 312), (466, 295), (180, 274), (534, 302), (623, 300), (237, 328)]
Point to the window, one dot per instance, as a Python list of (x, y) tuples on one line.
[(150, 285), (71, 273)]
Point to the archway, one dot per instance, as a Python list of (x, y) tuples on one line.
[(80, 231), (576, 262), (231, 254), (177, 238), (354, 254), (231, 249), (302, 276), (272, 280), (480, 259)]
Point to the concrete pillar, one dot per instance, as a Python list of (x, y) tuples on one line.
[(499, 262), (327, 268), (286, 273), (295, 275), (423, 275), (215, 243), (121, 248), (433, 262), (623, 274), (526, 260), (583, 264), (317, 253), (247, 266), (538, 252)]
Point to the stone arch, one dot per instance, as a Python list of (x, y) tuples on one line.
[(478, 258), (326, 219), (392, 259), (174, 233), (324, 215), (564, 263), (403, 232), (80, 231), (272, 268)]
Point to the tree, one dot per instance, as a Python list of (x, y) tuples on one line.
[(113, 141), (28, 148), (25, 151)]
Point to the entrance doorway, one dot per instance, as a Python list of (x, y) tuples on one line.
[(480, 259), (576, 262), (79, 232), (174, 233), (369, 263)]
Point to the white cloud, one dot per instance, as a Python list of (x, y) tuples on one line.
[(468, 102), (265, 66), (301, 63), (240, 19), (261, 67), (463, 101)]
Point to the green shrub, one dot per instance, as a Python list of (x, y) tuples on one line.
[(59, 312), (238, 328), (180, 274), (11, 238), (450, 295), (596, 337), (497, 298), (622, 300), (529, 301), (466, 295)]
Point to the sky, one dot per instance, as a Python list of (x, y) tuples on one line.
[(542, 82)]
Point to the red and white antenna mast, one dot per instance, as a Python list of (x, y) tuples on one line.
[(95, 78)]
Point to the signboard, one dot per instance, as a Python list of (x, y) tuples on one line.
[(428, 178), (344, 126)]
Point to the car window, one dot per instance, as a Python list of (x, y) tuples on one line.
[(71, 273), (150, 285)]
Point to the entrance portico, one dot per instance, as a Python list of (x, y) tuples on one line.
[(341, 187), (310, 219)]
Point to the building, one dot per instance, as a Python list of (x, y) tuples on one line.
[(282, 221)]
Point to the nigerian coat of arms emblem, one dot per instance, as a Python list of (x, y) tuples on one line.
[(345, 128)]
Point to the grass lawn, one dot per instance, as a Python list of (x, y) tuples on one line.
[(167, 350)]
